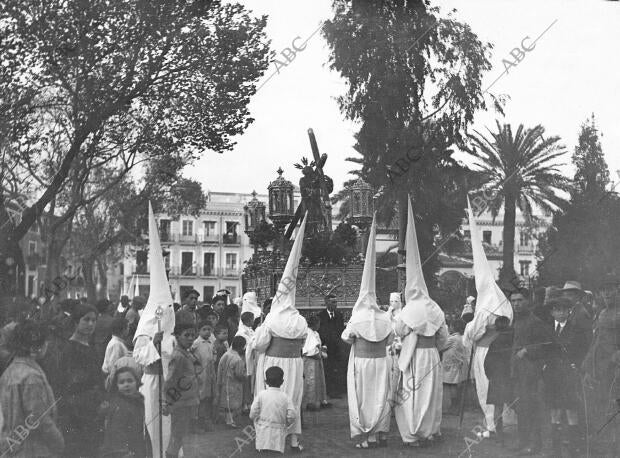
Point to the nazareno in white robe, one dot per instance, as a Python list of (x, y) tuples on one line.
[(293, 369), (145, 353), (419, 395), (368, 387)]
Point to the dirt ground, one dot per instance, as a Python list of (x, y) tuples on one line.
[(326, 434)]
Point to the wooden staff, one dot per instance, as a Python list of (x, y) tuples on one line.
[(159, 313)]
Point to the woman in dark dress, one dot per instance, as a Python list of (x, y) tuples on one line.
[(82, 387)]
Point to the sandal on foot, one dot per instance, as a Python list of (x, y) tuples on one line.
[(363, 445)]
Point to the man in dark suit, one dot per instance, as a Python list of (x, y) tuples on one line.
[(332, 326)]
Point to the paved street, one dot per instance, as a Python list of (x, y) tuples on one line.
[(326, 434)]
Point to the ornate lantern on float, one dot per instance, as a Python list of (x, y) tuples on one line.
[(361, 207), (254, 212), (281, 205)]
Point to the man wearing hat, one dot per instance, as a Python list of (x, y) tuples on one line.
[(580, 315), (332, 326), (188, 313), (602, 363)]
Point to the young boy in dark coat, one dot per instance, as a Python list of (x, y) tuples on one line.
[(497, 369), (561, 375)]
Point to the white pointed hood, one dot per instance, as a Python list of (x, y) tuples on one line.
[(490, 298), (250, 304), (283, 318), (420, 313), (368, 319), (159, 295)]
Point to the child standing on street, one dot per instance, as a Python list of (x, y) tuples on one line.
[(272, 412), (221, 343), (455, 364), (313, 352), (125, 434), (497, 369), (181, 388), (203, 349), (231, 375)]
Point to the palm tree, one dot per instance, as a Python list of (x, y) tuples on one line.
[(518, 170)]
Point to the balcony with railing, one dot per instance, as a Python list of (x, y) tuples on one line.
[(231, 272), (209, 238), (231, 239), (184, 271), (209, 271)]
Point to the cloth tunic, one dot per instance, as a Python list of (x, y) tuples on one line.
[(145, 354), (368, 385), (230, 379), (420, 392), (314, 374), (292, 366), (25, 395), (455, 361), (203, 349), (273, 414), (480, 332), (124, 430)]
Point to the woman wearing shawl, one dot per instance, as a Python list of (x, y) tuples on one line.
[(369, 332), (280, 339), (396, 305), (422, 328)]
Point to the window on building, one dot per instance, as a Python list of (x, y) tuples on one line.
[(30, 292), (231, 261), (187, 263), (525, 268), (167, 260), (32, 247), (141, 262), (486, 236), (164, 230), (188, 227), (209, 263), (121, 268), (231, 227), (524, 238), (209, 227), (207, 293)]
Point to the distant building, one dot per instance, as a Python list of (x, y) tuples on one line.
[(206, 253), (491, 233)]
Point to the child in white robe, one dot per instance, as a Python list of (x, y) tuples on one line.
[(315, 394), (116, 347), (273, 413)]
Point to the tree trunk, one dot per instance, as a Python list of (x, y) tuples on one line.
[(102, 269), (402, 234), (89, 283), (12, 278), (507, 273)]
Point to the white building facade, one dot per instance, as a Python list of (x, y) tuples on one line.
[(205, 253)]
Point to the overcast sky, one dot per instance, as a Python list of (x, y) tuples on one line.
[(573, 71)]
